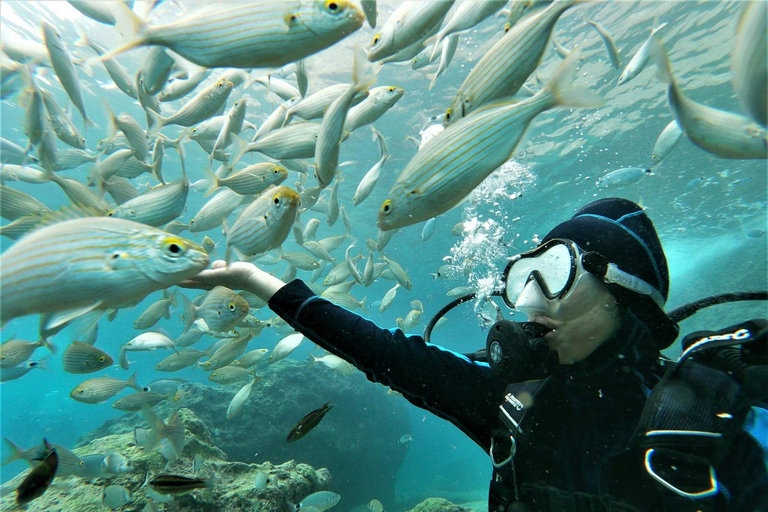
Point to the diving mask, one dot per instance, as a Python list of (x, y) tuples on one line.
[(554, 269)]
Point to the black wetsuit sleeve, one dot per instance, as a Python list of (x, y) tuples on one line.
[(443, 382)]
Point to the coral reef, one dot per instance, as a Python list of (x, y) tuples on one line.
[(357, 440), (438, 505), (233, 487)]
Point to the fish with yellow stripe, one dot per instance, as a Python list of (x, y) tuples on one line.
[(78, 265), (457, 159), (245, 34)]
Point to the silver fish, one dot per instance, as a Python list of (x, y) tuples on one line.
[(666, 141), (508, 64), (238, 401), (457, 159), (226, 354), (134, 401), (98, 263), (379, 100), (213, 213), (722, 133), (221, 309), (177, 89), (84, 358), (247, 35), (203, 105), (293, 141), (265, 223), (61, 61), (100, 389), (640, 59), (157, 206), (14, 352), (610, 46), (251, 180), (115, 70), (408, 24), (749, 67), (180, 360), (623, 177)]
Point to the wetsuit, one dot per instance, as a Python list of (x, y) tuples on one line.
[(571, 455)]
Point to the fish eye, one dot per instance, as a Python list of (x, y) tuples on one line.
[(174, 246), (332, 6), (111, 213), (507, 26), (448, 114), (232, 306), (376, 39), (386, 207), (276, 200), (391, 89), (101, 359)]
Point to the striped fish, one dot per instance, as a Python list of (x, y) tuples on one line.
[(15, 352), (20, 227), (81, 357), (213, 213), (508, 64), (158, 206), (226, 354), (719, 132), (202, 106), (79, 194), (666, 141), (92, 263), (330, 134), (134, 133), (180, 88), (276, 119), (265, 223), (251, 180), (15, 204), (640, 59), (457, 159), (315, 105), (180, 359), (94, 391), (248, 34), (65, 69), (293, 141), (379, 100), (221, 309), (278, 86), (62, 126), (410, 22), (238, 401), (116, 71), (134, 401)]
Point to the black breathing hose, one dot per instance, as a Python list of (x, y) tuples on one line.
[(679, 314)]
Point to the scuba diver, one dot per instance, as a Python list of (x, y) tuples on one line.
[(577, 408)]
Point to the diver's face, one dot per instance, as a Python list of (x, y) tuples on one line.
[(581, 321)]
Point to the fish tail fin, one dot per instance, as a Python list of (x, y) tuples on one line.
[(122, 358), (130, 25), (661, 58), (15, 452), (49, 345), (214, 183), (564, 93), (188, 311), (657, 26), (432, 80), (362, 305), (362, 75), (157, 427), (132, 382), (242, 148), (154, 122)]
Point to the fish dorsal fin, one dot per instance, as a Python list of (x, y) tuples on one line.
[(70, 212)]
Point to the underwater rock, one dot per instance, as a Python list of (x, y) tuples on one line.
[(233, 482), (438, 505), (357, 440)]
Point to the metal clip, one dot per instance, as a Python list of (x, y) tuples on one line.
[(506, 461)]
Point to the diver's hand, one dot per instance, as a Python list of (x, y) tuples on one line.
[(239, 275)]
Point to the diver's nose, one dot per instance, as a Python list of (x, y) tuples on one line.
[(531, 300)]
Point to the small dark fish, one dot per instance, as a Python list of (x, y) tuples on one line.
[(38, 480), (178, 484), (307, 423)]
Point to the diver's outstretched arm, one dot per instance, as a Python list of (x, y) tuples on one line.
[(237, 276)]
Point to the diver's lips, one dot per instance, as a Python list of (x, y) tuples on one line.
[(549, 324)]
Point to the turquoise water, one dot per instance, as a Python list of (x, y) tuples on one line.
[(710, 212)]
